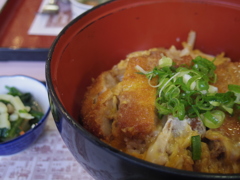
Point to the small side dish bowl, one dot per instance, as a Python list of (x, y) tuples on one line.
[(39, 93)]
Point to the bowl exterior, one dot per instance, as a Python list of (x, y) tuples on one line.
[(22, 142), (100, 38)]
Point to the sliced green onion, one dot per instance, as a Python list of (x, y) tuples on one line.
[(193, 112), (165, 62), (191, 84), (212, 89), (213, 119), (171, 92), (234, 88), (228, 109), (142, 71), (179, 111), (196, 147), (214, 103), (237, 100), (163, 109), (206, 67), (167, 83), (186, 91), (202, 104), (186, 78), (202, 85)]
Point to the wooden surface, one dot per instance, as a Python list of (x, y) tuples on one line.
[(15, 20)]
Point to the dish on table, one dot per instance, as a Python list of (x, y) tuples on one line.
[(86, 48), (177, 108), (24, 110)]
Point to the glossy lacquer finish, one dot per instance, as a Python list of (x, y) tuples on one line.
[(101, 37)]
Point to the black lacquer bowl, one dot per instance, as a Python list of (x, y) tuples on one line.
[(100, 38)]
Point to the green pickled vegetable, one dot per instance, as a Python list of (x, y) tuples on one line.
[(18, 113)]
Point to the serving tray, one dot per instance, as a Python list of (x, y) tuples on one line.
[(15, 43)]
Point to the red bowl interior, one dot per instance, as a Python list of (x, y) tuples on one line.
[(100, 38)]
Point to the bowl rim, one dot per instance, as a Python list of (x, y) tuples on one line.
[(42, 120), (96, 141)]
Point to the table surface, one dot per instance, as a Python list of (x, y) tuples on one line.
[(48, 157), (15, 20)]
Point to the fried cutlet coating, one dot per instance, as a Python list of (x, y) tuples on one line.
[(227, 73), (136, 111), (119, 108), (122, 110)]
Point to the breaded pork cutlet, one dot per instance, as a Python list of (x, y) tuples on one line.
[(120, 108)]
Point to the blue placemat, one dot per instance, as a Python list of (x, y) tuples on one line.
[(23, 54)]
